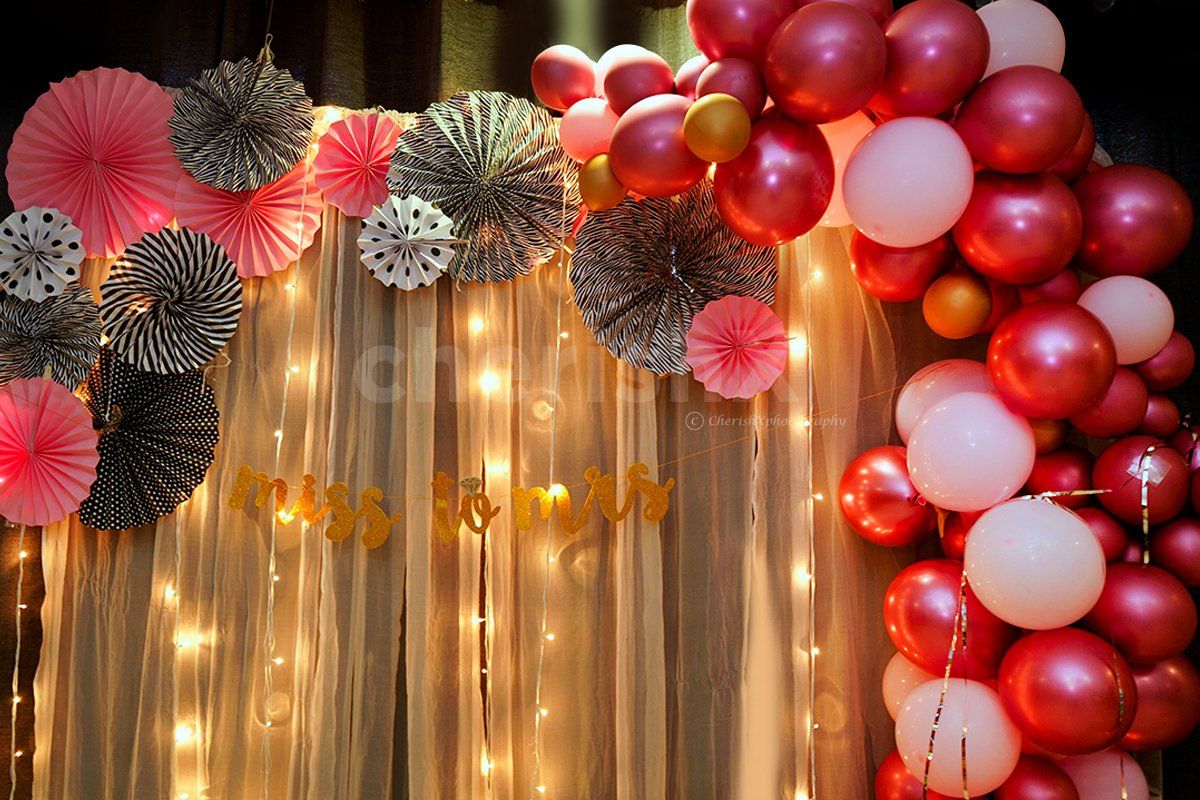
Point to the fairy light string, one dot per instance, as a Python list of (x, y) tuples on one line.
[(13, 752)]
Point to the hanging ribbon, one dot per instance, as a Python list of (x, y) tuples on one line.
[(1144, 476), (960, 629)]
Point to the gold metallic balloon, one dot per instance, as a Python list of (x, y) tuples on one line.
[(598, 185), (957, 305), (717, 128)]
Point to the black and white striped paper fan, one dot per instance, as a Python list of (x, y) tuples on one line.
[(642, 270), (492, 162), (62, 333), (172, 302), (241, 125), (157, 437), (40, 253), (406, 242)]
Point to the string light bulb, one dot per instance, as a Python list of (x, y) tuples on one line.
[(489, 382), (183, 733)]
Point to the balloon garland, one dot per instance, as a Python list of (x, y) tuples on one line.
[(968, 167)]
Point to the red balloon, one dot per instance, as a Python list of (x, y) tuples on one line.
[(1162, 417), (1068, 691), (879, 501), (1019, 228), (898, 274), (1065, 470), (1051, 360), (562, 76), (1005, 300), (937, 50), (954, 532), (635, 75), (1136, 220), (1121, 410), (1021, 119), (1169, 367), (1076, 161), (1064, 287), (1119, 469), (688, 74), (1145, 612), (879, 10), (1176, 548), (779, 187), (1185, 442), (825, 62), (648, 152), (918, 611), (1037, 778), (735, 28), (1110, 533), (735, 77), (893, 781), (1168, 704)]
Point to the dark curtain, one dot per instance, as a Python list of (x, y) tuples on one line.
[(1134, 62)]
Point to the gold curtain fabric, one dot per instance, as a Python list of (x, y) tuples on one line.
[(680, 664)]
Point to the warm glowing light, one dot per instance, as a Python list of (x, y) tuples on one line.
[(22, 554), (545, 712), (485, 764), (187, 640), (169, 592), (480, 620), (22, 606), (816, 726), (564, 335), (103, 340), (285, 516), (798, 345), (541, 789), (278, 434), (549, 637), (275, 578), (489, 382), (801, 575), (551, 559), (16, 699), (498, 468), (19, 753), (184, 733), (267, 724), (818, 497), (291, 287), (277, 661), (477, 324), (817, 274), (557, 490), (816, 651), (293, 369), (801, 794)]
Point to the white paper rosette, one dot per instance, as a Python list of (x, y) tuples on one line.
[(40, 253), (406, 242)]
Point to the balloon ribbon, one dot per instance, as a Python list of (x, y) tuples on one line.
[(960, 627)]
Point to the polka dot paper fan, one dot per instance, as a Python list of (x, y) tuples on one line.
[(40, 253), (407, 242)]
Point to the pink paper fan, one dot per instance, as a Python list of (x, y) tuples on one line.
[(262, 230), (47, 452), (352, 162), (736, 347), (95, 148)]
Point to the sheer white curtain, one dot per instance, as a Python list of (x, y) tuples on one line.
[(680, 663)]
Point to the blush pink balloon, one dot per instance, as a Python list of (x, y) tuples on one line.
[(899, 679), (1034, 565), (993, 743), (562, 76), (688, 74), (1022, 32), (735, 77), (1064, 287), (1170, 366), (1107, 775), (908, 182), (1121, 410), (633, 76), (1136, 313), (932, 384), (586, 128), (843, 136), (735, 28), (611, 55), (969, 452), (649, 154)]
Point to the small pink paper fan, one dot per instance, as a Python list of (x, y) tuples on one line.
[(736, 347), (95, 148), (352, 162), (48, 452), (262, 230)]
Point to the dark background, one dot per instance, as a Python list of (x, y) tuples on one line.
[(1135, 62)]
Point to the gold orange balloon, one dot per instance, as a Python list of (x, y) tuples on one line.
[(717, 128), (957, 305), (598, 185), (1048, 434)]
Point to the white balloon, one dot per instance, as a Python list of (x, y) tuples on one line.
[(1098, 776), (1137, 314), (1022, 32), (899, 679), (932, 384)]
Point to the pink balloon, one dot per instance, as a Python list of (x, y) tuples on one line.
[(1162, 417), (1107, 775), (1063, 287), (687, 75), (932, 384), (1120, 411), (735, 28), (1169, 367), (649, 154), (899, 679), (843, 136), (1034, 565), (1022, 32), (586, 128), (735, 77), (632, 76), (908, 181), (562, 76), (1108, 531), (611, 55), (993, 743), (969, 452), (1136, 313)]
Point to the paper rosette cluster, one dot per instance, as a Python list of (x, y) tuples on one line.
[(95, 148), (157, 437), (642, 271), (262, 230), (492, 163), (406, 242), (40, 253), (241, 125), (61, 335), (47, 452), (736, 347), (352, 162), (172, 302)]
